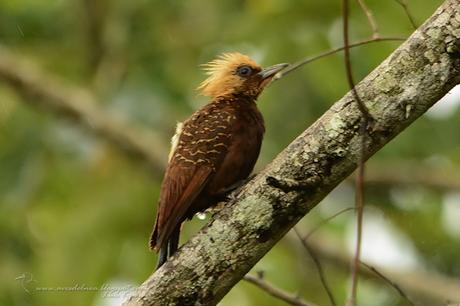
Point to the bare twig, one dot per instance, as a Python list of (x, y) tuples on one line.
[(370, 18), (311, 232), (312, 251), (389, 281), (371, 268), (403, 3), (359, 198), (318, 265), (359, 193), (313, 58), (348, 70), (276, 292), (421, 284), (50, 93)]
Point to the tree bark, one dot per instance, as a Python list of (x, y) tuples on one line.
[(401, 89)]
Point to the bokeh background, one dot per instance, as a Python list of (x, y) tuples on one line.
[(76, 211)]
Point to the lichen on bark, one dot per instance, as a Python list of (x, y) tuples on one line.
[(402, 88)]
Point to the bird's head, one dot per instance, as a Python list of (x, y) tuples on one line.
[(236, 73)]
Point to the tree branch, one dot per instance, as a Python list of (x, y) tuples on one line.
[(313, 58), (79, 105), (370, 18), (344, 257), (407, 12), (318, 266), (276, 292), (359, 181), (421, 284), (401, 89)]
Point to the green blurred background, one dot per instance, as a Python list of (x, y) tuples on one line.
[(76, 212)]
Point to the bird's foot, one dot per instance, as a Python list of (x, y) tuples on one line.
[(232, 191)]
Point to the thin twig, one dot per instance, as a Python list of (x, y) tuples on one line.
[(409, 15), (276, 292), (348, 69), (389, 281), (359, 194), (311, 232), (371, 268), (359, 204), (430, 286), (313, 58), (370, 19), (318, 267)]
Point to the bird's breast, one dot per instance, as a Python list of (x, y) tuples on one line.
[(243, 150)]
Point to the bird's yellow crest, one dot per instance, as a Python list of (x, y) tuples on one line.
[(222, 78)]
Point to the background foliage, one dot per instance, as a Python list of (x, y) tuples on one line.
[(77, 213)]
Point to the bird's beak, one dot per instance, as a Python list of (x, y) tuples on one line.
[(272, 70)]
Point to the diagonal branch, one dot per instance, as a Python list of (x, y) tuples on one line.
[(276, 292), (408, 14), (424, 285), (388, 281), (421, 71), (370, 18), (313, 58), (46, 92), (318, 266)]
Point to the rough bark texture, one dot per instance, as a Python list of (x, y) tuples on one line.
[(402, 88)]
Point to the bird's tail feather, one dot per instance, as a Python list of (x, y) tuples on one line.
[(162, 257), (170, 248)]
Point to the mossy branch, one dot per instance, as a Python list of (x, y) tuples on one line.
[(421, 71)]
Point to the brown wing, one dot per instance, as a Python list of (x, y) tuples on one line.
[(181, 185), (202, 145)]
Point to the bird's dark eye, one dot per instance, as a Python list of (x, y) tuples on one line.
[(244, 71)]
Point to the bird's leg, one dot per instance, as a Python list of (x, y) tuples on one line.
[(230, 192), (162, 257), (227, 194), (173, 243)]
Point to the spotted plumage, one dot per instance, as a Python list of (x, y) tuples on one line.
[(213, 149)]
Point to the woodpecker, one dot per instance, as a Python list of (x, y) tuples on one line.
[(214, 149)]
